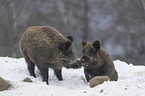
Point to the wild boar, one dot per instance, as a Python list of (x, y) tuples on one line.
[(46, 48), (96, 61)]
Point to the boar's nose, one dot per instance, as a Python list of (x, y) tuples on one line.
[(85, 58), (76, 65)]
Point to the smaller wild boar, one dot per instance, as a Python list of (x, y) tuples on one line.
[(96, 61), (46, 48)]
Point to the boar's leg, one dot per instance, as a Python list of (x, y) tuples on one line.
[(44, 73), (31, 66), (87, 74), (58, 73)]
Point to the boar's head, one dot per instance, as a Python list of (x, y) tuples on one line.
[(90, 54), (68, 58)]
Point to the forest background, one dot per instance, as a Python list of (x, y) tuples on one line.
[(118, 24)]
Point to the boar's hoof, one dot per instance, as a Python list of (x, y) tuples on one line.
[(98, 80)]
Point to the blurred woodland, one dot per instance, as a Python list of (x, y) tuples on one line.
[(118, 24)]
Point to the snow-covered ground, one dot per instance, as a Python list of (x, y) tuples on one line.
[(131, 81)]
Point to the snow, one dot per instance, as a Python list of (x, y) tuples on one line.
[(131, 81)]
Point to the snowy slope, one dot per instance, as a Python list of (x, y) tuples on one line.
[(131, 81)]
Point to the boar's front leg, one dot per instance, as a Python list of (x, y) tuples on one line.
[(58, 73), (44, 73), (87, 74)]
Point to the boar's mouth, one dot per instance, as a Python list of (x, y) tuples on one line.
[(69, 64), (88, 63), (65, 61)]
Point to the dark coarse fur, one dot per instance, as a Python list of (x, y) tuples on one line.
[(47, 48), (97, 62)]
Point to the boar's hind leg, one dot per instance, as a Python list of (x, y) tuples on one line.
[(58, 73), (31, 66), (44, 73)]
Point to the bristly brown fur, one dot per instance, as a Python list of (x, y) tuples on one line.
[(97, 62), (40, 45)]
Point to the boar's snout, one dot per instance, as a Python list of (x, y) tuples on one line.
[(72, 64), (84, 60), (76, 65)]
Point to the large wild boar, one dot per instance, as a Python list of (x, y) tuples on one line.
[(47, 48), (96, 61)]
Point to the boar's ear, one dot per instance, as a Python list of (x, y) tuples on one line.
[(97, 45), (65, 46), (70, 38), (83, 43)]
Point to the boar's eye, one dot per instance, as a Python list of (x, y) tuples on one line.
[(92, 51)]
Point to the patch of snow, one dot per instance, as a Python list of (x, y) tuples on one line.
[(131, 81)]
